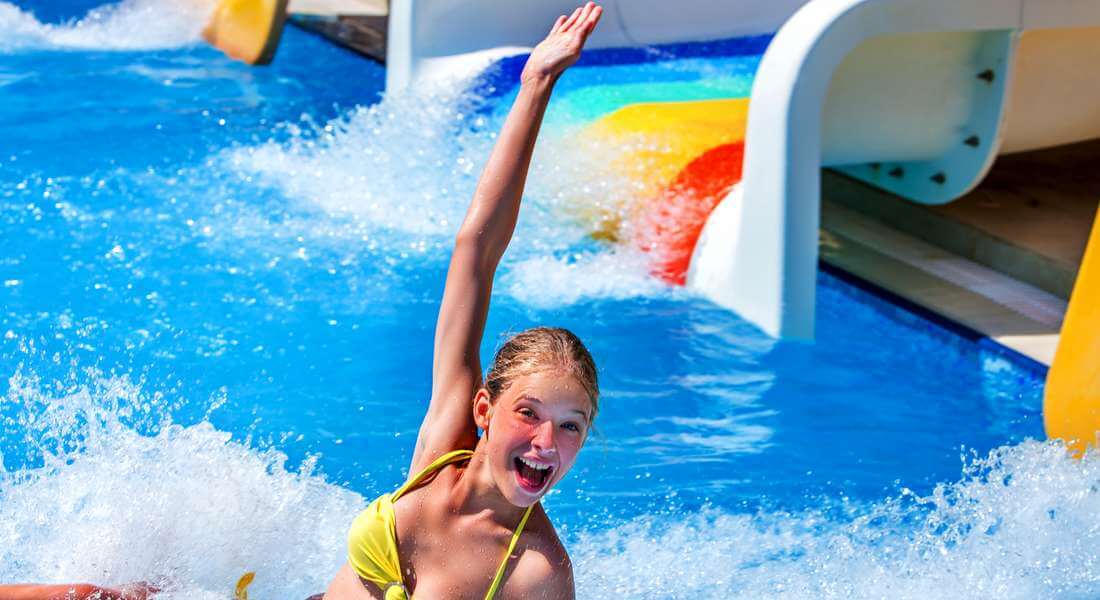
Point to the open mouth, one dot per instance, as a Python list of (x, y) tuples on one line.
[(532, 478)]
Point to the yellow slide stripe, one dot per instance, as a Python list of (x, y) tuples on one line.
[(657, 140)]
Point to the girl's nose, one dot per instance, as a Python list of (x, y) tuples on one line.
[(544, 437)]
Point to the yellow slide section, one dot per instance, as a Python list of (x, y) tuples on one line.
[(247, 30), (1071, 406), (655, 141)]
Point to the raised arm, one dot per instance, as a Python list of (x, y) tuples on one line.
[(482, 239)]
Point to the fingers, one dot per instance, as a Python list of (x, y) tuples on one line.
[(571, 20), (557, 25), (583, 19), (592, 18)]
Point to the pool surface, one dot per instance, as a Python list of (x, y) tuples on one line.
[(218, 288)]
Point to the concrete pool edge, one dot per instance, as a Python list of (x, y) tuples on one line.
[(978, 317)]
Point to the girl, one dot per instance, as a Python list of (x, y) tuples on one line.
[(468, 522)]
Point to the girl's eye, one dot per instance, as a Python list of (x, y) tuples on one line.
[(572, 427), (527, 412)]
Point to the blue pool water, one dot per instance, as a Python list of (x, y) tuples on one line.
[(217, 292)]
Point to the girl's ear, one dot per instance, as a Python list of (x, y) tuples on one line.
[(483, 409)]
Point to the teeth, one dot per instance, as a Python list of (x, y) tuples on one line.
[(534, 465)]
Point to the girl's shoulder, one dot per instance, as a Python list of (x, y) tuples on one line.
[(425, 506), (544, 569), (542, 535)]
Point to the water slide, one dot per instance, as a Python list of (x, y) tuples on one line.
[(247, 30), (916, 97)]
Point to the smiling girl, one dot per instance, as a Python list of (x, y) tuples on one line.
[(468, 523)]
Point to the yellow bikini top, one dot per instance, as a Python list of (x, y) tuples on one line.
[(372, 541)]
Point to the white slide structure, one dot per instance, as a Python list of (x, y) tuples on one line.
[(909, 95), (914, 96), (429, 39)]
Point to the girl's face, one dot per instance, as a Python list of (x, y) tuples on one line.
[(533, 433)]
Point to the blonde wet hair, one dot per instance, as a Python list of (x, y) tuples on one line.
[(544, 349)]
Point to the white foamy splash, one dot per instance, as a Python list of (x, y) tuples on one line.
[(552, 281), (186, 508), (406, 168), (127, 25), (124, 494), (407, 165), (1021, 523)]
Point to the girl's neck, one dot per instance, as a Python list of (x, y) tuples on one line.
[(475, 492)]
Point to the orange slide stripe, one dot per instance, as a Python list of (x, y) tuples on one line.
[(669, 227)]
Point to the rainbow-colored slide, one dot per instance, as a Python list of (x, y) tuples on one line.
[(685, 157)]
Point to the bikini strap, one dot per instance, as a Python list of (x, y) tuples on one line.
[(437, 464), (452, 457), (499, 577)]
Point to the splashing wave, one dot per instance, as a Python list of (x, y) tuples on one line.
[(406, 168), (120, 493), (127, 25), (406, 165), (111, 490), (553, 281), (1019, 524)]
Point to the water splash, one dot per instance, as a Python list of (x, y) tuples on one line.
[(1020, 523), (404, 171), (127, 25), (407, 165), (550, 281), (123, 494)]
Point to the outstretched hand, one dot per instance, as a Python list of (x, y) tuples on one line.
[(562, 47)]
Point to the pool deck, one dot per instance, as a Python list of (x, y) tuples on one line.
[(1000, 261), (333, 8), (359, 25)]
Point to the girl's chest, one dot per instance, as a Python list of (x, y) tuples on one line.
[(449, 558), (460, 563)]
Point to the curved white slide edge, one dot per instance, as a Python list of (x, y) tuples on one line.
[(431, 39), (758, 253), (920, 115)]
